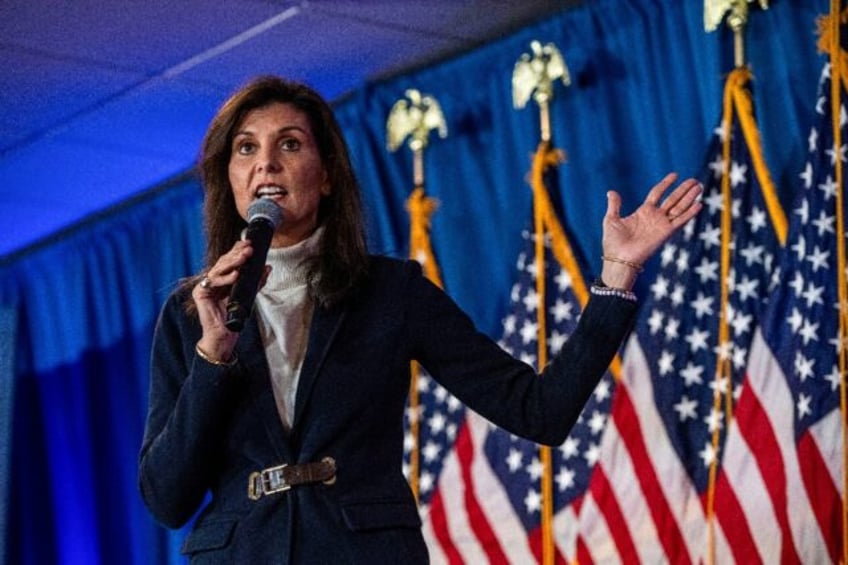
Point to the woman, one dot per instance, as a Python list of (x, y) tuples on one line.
[(295, 425)]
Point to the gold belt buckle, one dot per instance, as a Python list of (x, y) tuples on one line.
[(266, 481)]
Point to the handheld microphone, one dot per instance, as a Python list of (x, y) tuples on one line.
[(263, 217)]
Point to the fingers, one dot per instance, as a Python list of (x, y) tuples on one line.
[(659, 189), (690, 188), (224, 272), (692, 208), (681, 202)]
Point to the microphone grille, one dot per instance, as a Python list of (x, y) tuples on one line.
[(267, 209)]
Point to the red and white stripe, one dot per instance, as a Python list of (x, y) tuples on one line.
[(641, 506), (470, 518), (787, 489)]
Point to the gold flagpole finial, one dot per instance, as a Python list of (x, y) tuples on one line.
[(737, 19), (535, 75), (414, 117)]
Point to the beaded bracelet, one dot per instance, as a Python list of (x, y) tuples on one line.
[(600, 289), (635, 266), (202, 354)]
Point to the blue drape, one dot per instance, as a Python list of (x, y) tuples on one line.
[(76, 313), (85, 308)]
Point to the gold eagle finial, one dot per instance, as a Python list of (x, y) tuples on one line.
[(715, 10), (414, 116), (535, 76), (538, 73)]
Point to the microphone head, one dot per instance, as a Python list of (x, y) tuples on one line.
[(265, 209)]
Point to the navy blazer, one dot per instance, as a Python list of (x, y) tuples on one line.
[(209, 426)]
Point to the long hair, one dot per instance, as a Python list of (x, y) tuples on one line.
[(341, 262)]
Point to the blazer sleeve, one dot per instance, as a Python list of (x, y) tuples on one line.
[(189, 403), (504, 390)]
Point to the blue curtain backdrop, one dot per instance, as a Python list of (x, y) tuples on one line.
[(77, 312)]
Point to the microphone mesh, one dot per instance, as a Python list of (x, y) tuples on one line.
[(267, 209)]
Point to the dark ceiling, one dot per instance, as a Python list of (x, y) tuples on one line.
[(100, 100)]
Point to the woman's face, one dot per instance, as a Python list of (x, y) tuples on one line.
[(274, 155)]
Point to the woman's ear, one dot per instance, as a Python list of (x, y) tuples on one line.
[(325, 186)]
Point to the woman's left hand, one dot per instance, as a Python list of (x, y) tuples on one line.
[(634, 238)]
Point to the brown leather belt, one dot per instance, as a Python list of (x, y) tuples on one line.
[(283, 477)]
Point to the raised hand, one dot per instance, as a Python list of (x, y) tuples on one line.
[(629, 241)]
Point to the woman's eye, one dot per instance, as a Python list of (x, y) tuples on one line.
[(290, 144), (245, 148)]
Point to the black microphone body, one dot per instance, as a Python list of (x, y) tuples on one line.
[(263, 217)]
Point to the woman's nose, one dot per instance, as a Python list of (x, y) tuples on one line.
[(269, 161)]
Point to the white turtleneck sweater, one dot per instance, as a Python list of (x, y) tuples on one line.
[(284, 313)]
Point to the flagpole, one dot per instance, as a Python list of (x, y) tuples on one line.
[(734, 93), (414, 117), (536, 74), (722, 372)]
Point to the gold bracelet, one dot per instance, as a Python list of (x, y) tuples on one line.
[(635, 266), (202, 354)]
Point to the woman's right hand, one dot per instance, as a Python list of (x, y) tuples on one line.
[(211, 295)]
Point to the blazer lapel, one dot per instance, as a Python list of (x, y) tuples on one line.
[(323, 329), (251, 353)]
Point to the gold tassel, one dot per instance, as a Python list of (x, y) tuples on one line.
[(830, 28), (420, 208)]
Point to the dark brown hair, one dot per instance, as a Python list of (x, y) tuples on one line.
[(342, 259)]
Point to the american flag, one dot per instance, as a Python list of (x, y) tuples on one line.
[(516, 461), (428, 403), (651, 491), (486, 507), (436, 446), (784, 460), (487, 503)]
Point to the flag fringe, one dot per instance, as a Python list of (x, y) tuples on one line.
[(737, 103), (546, 223), (827, 28), (544, 158), (830, 31), (421, 209), (540, 205), (737, 82)]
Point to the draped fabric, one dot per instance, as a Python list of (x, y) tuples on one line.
[(85, 307), (76, 312)]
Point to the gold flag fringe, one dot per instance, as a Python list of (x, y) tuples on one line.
[(545, 158), (737, 103), (830, 31), (546, 224), (421, 208)]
